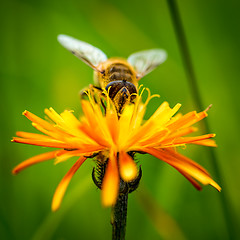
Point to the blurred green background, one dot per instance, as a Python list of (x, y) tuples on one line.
[(36, 72)]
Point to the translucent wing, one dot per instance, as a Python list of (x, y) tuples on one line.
[(145, 61), (89, 54)]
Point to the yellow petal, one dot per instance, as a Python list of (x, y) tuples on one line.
[(187, 120), (31, 135), (96, 136), (184, 140), (154, 124), (61, 188), (113, 124), (36, 159), (190, 179), (96, 126), (50, 133), (35, 119), (128, 168), (206, 142), (78, 152), (155, 139), (54, 116), (45, 143), (110, 186), (124, 123), (63, 157), (182, 132), (187, 166), (70, 119)]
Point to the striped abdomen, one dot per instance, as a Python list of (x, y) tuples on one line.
[(119, 71)]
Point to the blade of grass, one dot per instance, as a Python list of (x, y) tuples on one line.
[(192, 81)]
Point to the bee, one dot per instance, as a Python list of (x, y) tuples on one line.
[(119, 77)]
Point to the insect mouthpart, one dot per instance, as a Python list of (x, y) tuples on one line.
[(121, 92), (126, 88)]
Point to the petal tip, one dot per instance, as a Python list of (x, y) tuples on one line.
[(55, 206), (178, 105), (108, 201), (219, 189), (15, 171), (129, 174), (208, 108), (25, 112)]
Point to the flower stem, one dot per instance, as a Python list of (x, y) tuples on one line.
[(119, 217), (191, 77)]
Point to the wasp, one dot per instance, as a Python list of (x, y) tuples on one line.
[(119, 77)]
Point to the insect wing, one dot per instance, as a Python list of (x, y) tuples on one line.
[(89, 54), (145, 61)]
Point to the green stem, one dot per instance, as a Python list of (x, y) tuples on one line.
[(119, 217), (183, 46)]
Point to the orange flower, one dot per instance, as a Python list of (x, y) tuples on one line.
[(114, 137)]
